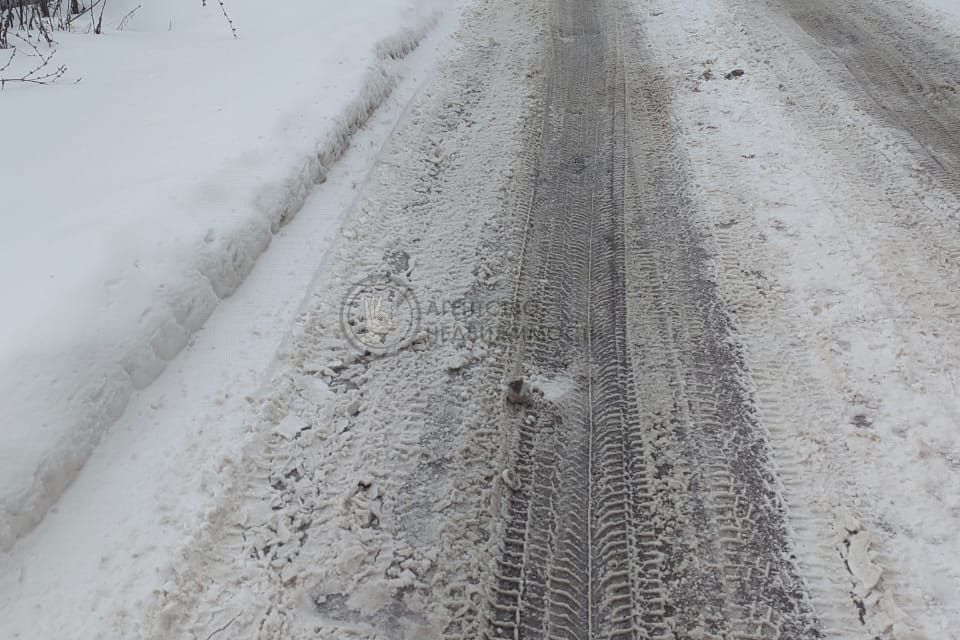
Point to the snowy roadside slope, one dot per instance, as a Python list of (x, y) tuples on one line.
[(136, 200)]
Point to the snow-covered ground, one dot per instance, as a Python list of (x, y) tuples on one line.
[(235, 495), (96, 563), (836, 257), (951, 7), (137, 199)]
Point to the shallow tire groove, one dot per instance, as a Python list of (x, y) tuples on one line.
[(645, 506)]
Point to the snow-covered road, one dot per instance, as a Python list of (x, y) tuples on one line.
[(828, 186), (685, 367)]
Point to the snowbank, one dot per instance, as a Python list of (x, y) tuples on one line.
[(138, 198)]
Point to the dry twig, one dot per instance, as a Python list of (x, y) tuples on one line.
[(42, 73)]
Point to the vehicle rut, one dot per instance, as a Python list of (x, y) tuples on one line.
[(640, 500), (901, 71)]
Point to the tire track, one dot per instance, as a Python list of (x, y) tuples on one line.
[(901, 73), (849, 188), (642, 504)]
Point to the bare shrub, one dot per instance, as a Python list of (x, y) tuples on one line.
[(41, 71), (25, 23)]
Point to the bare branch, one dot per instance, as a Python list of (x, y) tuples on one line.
[(123, 21), (44, 72), (13, 54), (99, 28), (223, 9)]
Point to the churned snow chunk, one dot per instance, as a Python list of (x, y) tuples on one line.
[(290, 426)]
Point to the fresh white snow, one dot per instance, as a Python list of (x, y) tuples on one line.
[(137, 199)]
